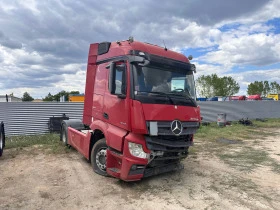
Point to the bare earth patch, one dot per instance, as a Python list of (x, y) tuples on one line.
[(32, 178)]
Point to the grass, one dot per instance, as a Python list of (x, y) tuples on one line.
[(270, 123), (237, 131), (230, 181), (247, 159), (240, 155), (51, 142)]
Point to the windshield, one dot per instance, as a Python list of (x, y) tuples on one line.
[(165, 81)]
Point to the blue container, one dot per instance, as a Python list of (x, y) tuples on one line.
[(212, 99), (201, 99)]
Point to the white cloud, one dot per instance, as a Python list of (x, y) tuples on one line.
[(44, 44), (30, 5), (248, 49)]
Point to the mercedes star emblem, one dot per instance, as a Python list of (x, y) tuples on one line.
[(176, 127)]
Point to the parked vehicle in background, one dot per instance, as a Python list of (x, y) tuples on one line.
[(254, 98), (140, 113), (213, 98), (275, 97), (238, 98), (267, 99), (201, 99), (2, 138)]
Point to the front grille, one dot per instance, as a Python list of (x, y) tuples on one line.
[(164, 127), (167, 148), (169, 143)]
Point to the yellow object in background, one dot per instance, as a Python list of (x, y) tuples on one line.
[(274, 96), (76, 98)]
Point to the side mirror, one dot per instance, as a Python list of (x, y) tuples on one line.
[(193, 68), (112, 78), (141, 61)]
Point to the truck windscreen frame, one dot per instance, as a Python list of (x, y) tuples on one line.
[(162, 83)]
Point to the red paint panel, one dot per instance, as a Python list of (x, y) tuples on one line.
[(99, 89), (89, 87), (97, 106), (99, 125), (79, 141), (138, 122), (115, 137), (125, 47), (117, 109), (89, 94), (100, 79), (165, 112), (129, 160)]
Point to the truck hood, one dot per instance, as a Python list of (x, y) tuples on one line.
[(163, 112)]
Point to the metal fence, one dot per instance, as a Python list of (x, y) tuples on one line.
[(33, 118), (236, 110)]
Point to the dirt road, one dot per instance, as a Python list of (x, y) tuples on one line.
[(31, 178)]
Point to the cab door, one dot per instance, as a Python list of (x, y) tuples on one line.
[(116, 98)]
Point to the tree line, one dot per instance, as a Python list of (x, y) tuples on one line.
[(206, 85), (56, 97), (212, 85)]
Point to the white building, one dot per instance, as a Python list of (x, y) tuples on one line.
[(6, 98)]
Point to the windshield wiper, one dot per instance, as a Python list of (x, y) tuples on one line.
[(158, 93), (186, 94)]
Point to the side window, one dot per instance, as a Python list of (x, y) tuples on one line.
[(120, 79), (117, 79)]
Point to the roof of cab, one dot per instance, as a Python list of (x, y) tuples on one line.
[(125, 47)]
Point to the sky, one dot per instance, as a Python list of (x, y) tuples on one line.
[(44, 44)]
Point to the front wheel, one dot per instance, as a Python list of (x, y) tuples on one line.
[(99, 157)]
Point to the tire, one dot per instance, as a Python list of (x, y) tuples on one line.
[(64, 134), (2, 138), (98, 157)]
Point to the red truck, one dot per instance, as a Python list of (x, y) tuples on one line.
[(140, 112), (254, 98), (238, 98)]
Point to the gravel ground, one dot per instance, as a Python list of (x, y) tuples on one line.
[(33, 178)]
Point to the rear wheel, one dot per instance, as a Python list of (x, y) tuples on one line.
[(2, 139), (99, 157), (63, 134)]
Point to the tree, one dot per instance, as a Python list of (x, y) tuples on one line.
[(49, 97), (57, 96), (26, 97), (263, 88), (266, 88), (212, 85), (274, 87), (255, 88)]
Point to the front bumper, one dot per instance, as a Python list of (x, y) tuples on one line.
[(129, 168)]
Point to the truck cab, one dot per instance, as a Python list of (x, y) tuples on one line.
[(140, 112)]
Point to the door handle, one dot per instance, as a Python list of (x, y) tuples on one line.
[(105, 115)]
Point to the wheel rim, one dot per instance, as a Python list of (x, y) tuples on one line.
[(101, 157)]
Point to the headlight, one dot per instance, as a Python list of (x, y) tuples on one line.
[(137, 150)]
